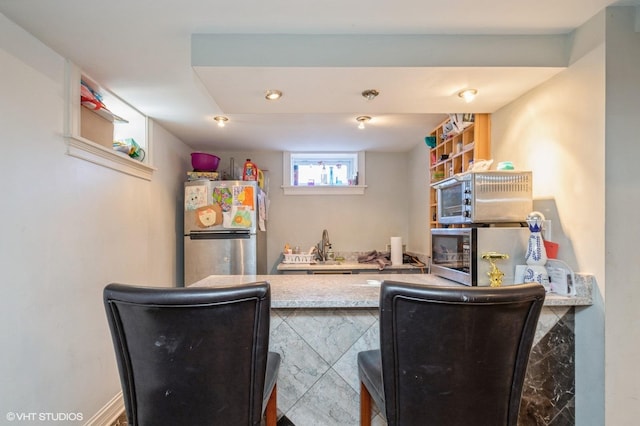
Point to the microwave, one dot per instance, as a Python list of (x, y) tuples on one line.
[(456, 253), (484, 197)]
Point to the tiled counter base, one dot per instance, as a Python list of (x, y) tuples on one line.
[(320, 323), (318, 381)]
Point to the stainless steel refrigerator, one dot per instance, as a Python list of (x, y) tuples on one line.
[(224, 229)]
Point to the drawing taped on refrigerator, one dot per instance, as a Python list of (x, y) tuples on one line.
[(224, 229)]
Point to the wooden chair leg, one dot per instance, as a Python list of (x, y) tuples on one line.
[(271, 412), (365, 406)]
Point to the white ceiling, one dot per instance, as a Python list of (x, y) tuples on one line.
[(142, 51)]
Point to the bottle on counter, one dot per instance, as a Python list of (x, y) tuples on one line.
[(250, 171)]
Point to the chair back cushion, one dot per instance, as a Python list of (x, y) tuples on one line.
[(190, 356), (456, 355)]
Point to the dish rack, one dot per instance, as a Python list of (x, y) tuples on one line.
[(298, 258)]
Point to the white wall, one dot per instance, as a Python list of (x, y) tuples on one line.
[(622, 204), (68, 228), (419, 239), (558, 131), (354, 222), (587, 118), (166, 223)]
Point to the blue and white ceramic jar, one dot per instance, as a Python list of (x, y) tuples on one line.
[(536, 256), (536, 253)]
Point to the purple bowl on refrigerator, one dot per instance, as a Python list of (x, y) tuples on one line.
[(203, 162)]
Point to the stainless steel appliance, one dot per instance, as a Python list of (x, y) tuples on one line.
[(456, 253), (484, 197), (224, 232)]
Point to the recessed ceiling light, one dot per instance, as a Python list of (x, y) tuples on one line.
[(272, 95), (468, 94), (361, 120), (221, 120)]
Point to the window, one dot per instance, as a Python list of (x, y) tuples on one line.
[(133, 128), (323, 173)]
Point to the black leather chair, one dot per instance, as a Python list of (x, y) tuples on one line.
[(450, 356), (194, 356)]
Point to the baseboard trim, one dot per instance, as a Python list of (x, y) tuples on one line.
[(109, 413)]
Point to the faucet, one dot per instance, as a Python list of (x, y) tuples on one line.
[(323, 246)]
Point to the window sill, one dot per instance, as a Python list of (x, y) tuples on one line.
[(324, 190), (84, 149)]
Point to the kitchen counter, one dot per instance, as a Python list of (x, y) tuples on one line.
[(359, 290), (319, 323), (348, 267)]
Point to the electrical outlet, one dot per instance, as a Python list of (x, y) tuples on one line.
[(546, 230)]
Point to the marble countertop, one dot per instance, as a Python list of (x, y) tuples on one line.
[(344, 266), (360, 290)]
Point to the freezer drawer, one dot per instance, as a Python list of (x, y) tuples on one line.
[(219, 254)]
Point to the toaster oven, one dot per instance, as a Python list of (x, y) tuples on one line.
[(484, 197)]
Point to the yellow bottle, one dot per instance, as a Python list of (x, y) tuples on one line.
[(260, 179)]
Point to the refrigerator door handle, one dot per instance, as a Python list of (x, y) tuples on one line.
[(220, 236)]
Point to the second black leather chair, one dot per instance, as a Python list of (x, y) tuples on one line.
[(450, 356), (194, 356)]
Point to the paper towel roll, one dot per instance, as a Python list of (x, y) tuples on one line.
[(396, 251)]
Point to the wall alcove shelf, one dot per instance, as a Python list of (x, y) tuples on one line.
[(453, 153), (90, 133)]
